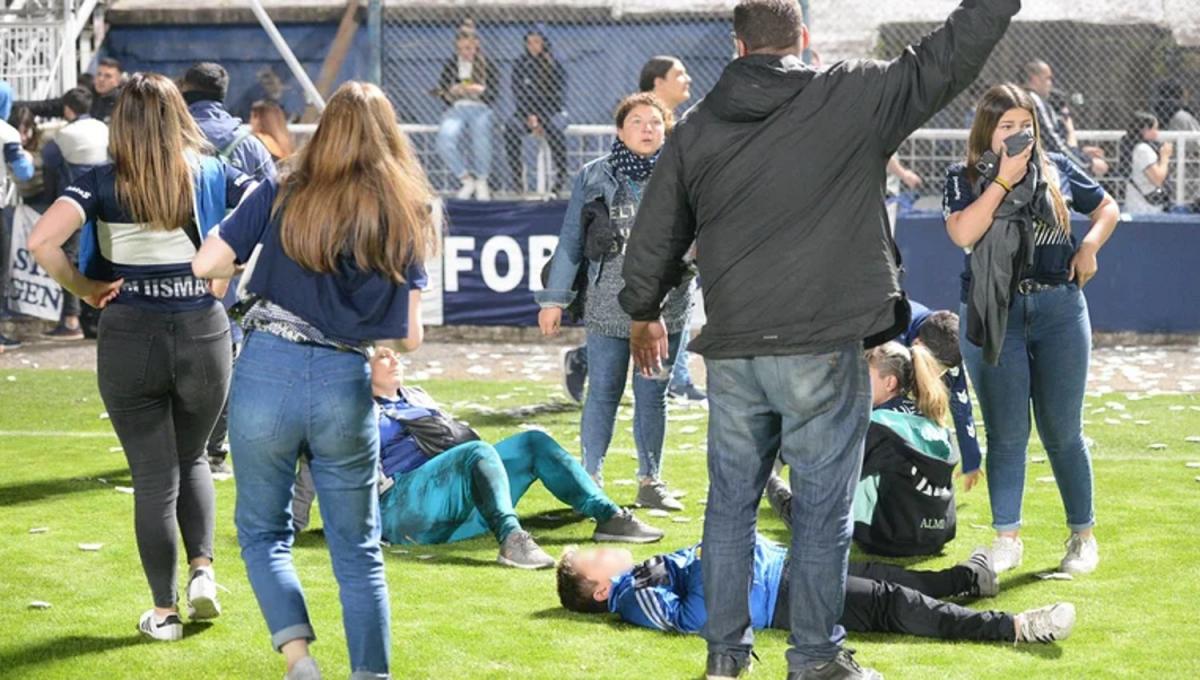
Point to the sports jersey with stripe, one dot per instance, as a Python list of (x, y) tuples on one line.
[(156, 264)]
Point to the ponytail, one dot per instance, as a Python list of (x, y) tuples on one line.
[(933, 400)]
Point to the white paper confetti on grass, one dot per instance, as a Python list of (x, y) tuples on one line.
[(38, 604), (46, 530), (1175, 408), (658, 513), (479, 370), (104, 416), (1158, 446), (1142, 422), (1194, 439), (115, 449), (124, 489), (1111, 421), (1038, 459), (1055, 576), (11, 378), (980, 527), (91, 547), (681, 520), (399, 551), (424, 557), (1195, 465), (1045, 480)]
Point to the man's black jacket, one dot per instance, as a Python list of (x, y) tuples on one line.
[(778, 176)]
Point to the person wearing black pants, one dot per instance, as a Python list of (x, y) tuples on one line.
[(163, 356)]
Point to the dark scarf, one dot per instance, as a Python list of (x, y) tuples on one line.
[(628, 163)]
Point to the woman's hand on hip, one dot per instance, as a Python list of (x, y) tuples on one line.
[(550, 320), (99, 293), (1084, 265)]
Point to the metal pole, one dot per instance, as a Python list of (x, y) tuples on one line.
[(310, 90), (375, 41)]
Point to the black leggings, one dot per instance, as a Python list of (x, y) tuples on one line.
[(882, 598), (163, 377)]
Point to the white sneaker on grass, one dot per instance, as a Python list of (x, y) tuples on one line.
[(1007, 552), (202, 595), (167, 629), (1083, 555), (1046, 625)]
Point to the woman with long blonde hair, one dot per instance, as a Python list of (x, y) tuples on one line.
[(163, 356), (269, 123), (338, 244), (1046, 347)]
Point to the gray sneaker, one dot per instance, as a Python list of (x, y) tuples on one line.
[(623, 527), (980, 564), (305, 669), (657, 496), (520, 551), (779, 495), (843, 667), (1046, 625)]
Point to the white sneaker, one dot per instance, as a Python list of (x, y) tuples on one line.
[(468, 188), (202, 595), (169, 629), (1007, 553), (1083, 555), (483, 192), (305, 669), (1046, 625)]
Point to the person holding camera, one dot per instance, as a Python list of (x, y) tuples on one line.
[(1036, 338), (1146, 164), (604, 204)]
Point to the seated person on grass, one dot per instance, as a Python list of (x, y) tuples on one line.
[(441, 483), (666, 592)]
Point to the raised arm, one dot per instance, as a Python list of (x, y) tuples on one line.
[(926, 76)]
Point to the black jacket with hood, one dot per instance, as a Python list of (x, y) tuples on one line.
[(778, 176)]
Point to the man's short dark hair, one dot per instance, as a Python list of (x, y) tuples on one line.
[(575, 592), (79, 100), (109, 62), (1033, 68), (939, 334), (207, 78), (768, 24), (657, 67)]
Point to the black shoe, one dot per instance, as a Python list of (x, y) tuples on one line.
[(575, 373), (726, 667), (779, 495), (61, 332), (218, 466), (984, 582), (843, 667), (687, 392), (7, 343)]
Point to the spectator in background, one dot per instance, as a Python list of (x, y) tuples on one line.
[(269, 124), (77, 148), (21, 163), (1146, 164), (1171, 108), (204, 87), (32, 190), (468, 86), (538, 88), (1056, 125), (106, 87), (668, 79)]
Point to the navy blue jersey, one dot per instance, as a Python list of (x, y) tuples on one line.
[(399, 451), (1055, 247), (156, 264)]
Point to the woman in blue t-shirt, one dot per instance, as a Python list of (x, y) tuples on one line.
[(336, 245), (1047, 344), (163, 355)]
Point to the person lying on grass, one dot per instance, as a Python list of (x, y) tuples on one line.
[(666, 592), (443, 484)]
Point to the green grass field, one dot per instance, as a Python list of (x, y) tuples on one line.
[(458, 615)]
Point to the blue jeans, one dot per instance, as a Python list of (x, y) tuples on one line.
[(473, 488), (478, 118), (287, 396), (681, 375), (608, 368), (1044, 361), (813, 410)]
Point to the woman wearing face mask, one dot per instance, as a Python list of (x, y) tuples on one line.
[(618, 180), (1047, 343), (1146, 164)]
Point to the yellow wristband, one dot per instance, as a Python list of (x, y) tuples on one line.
[(1003, 185)]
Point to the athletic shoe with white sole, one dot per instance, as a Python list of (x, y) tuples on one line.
[(575, 373), (1007, 552), (656, 496), (985, 582), (169, 629), (779, 496), (1083, 555), (725, 667), (623, 527), (519, 550), (305, 669), (842, 667), (202, 595), (1046, 625)]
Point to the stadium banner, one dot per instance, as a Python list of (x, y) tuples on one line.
[(492, 259), (31, 291)]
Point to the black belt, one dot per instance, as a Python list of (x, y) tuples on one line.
[(1031, 286)]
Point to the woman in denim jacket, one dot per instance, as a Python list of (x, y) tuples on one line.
[(619, 179)]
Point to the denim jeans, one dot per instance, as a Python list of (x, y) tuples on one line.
[(473, 489), (287, 396), (681, 375), (608, 368), (463, 115), (1044, 361), (813, 410)]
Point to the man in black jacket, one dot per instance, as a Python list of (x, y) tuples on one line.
[(106, 87), (538, 84), (778, 176)]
